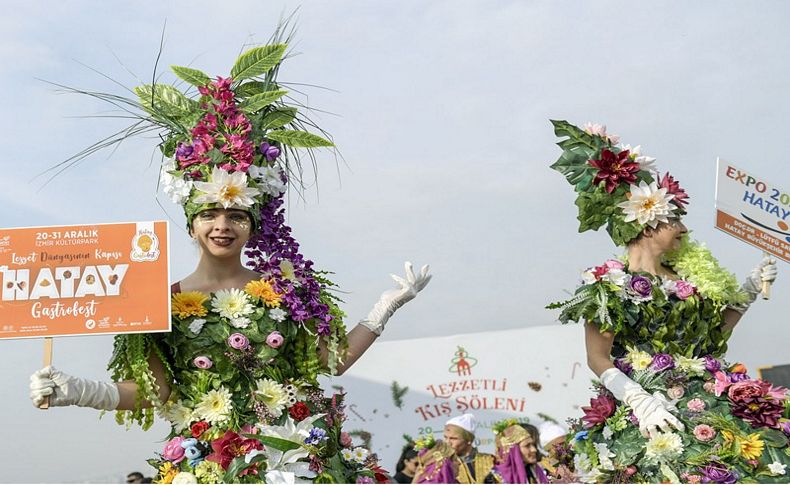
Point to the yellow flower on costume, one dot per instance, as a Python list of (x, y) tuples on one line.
[(167, 472), (639, 359), (748, 447), (209, 472), (751, 447), (265, 292), (188, 304)]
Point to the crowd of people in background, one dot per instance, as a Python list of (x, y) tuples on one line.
[(524, 454)]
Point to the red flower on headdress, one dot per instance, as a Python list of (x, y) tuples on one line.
[(673, 188), (614, 169)]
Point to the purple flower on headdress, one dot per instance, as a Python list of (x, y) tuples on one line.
[(785, 427), (238, 341), (640, 287), (184, 151), (271, 152), (662, 362), (712, 364), (718, 473)]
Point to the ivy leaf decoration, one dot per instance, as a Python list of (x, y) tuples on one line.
[(194, 77), (298, 139), (257, 61)]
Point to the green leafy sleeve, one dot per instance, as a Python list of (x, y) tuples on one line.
[(597, 302), (129, 362)]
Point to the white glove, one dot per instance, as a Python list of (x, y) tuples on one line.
[(65, 390), (391, 300), (653, 412), (766, 271)]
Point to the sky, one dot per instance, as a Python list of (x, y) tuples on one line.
[(440, 111)]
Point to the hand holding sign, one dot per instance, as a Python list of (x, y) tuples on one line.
[(760, 279)]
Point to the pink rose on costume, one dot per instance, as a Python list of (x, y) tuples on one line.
[(709, 387), (696, 405), (238, 341), (614, 264), (703, 432), (202, 362), (274, 339), (173, 450), (675, 392), (345, 440), (684, 289)]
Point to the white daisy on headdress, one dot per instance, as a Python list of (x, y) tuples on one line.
[(269, 179), (645, 162), (176, 188), (226, 189), (647, 204)]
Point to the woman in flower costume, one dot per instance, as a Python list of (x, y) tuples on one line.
[(517, 454), (237, 375), (669, 408)]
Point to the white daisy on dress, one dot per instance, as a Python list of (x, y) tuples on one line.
[(277, 314), (360, 454), (347, 454), (241, 322), (664, 447), (604, 456), (692, 366), (648, 204), (183, 478), (226, 189), (273, 395), (232, 303), (215, 407), (179, 415), (777, 468), (197, 325)]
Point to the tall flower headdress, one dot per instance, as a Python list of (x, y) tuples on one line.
[(227, 142), (615, 184)]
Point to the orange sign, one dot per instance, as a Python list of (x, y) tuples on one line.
[(84, 280)]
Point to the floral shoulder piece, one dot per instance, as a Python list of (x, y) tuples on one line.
[(611, 297)]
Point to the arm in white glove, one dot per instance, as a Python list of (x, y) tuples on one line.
[(391, 300), (652, 411), (66, 390), (765, 272)]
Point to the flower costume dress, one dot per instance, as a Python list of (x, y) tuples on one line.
[(243, 363), (668, 338)]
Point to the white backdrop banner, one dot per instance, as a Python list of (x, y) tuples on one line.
[(413, 386)]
